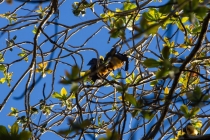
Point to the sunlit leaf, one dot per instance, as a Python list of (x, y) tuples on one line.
[(63, 92), (14, 112), (34, 30), (72, 95), (49, 71), (166, 90), (120, 98), (2, 68), (2, 80), (184, 19)]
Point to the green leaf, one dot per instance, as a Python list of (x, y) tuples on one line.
[(75, 72), (184, 19), (205, 97), (153, 83), (138, 78), (150, 15), (114, 33), (161, 73), (151, 63), (99, 120), (119, 23), (135, 113), (23, 54), (49, 71), (119, 89), (14, 112), (102, 15), (184, 109), (25, 135), (2, 68), (194, 111), (119, 75), (35, 29), (166, 52), (153, 29), (147, 114), (183, 46), (14, 129), (197, 93), (76, 12), (2, 80), (3, 131), (74, 87), (73, 95), (197, 29), (201, 12), (128, 6), (128, 80), (166, 9), (131, 99)]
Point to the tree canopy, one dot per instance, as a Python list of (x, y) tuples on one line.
[(48, 89)]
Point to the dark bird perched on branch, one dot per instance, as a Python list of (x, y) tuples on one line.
[(112, 61)]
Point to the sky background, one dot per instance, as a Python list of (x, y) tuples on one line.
[(99, 42)]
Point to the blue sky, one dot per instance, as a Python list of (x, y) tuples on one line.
[(99, 41)]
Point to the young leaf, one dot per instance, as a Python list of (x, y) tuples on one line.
[(166, 91), (35, 29), (14, 112), (2, 80), (63, 92)]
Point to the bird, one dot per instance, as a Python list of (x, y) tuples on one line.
[(112, 61)]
